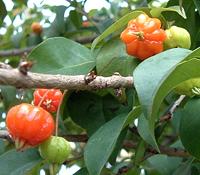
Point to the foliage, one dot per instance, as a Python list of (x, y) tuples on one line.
[(132, 122)]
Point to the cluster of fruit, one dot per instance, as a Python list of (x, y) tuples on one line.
[(33, 125), (144, 38)]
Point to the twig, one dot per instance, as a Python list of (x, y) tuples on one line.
[(127, 144), (76, 138), (15, 52), (35, 80), (163, 150), (5, 135), (169, 115)]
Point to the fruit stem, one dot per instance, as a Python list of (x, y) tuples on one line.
[(42, 99), (58, 112), (53, 169)]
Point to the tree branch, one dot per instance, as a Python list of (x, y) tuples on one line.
[(127, 144), (78, 82), (176, 104), (15, 52), (170, 151)]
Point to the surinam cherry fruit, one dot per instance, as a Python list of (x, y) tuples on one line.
[(190, 87), (55, 150), (143, 37), (177, 37), (29, 125), (36, 28), (49, 99)]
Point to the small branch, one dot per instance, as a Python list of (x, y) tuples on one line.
[(176, 104), (127, 144), (5, 135), (76, 138), (35, 80), (163, 150), (71, 138), (15, 52)]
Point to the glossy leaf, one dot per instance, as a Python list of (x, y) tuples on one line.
[(197, 4), (102, 142), (184, 168), (93, 110), (112, 58), (13, 162), (61, 56), (156, 12), (82, 171), (116, 26), (144, 130), (153, 84), (189, 127), (164, 164), (3, 12)]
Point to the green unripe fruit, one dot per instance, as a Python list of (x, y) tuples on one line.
[(177, 37), (55, 150), (190, 87)]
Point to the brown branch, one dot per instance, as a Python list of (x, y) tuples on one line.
[(5, 135), (15, 52), (78, 82), (127, 144), (176, 104), (76, 138), (163, 150)]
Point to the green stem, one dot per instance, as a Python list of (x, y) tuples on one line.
[(51, 169), (54, 168)]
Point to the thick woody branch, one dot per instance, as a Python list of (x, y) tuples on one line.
[(78, 82), (15, 52)]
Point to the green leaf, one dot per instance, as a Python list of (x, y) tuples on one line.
[(189, 127), (197, 4), (76, 18), (139, 152), (102, 142), (3, 11), (82, 171), (9, 96), (58, 24), (113, 58), (184, 168), (2, 147), (156, 12), (153, 84), (116, 26), (144, 130), (93, 110), (13, 162), (164, 164), (61, 56), (12, 96)]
